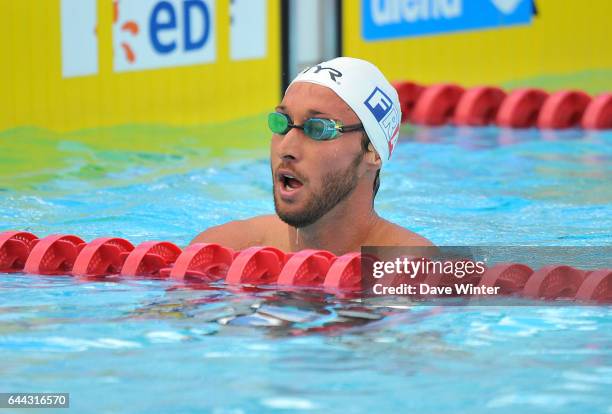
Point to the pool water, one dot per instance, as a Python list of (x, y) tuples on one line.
[(140, 346)]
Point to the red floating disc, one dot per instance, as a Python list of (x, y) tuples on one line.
[(101, 257), (15, 247), (148, 258), (521, 108), (256, 265), (306, 268), (510, 277), (563, 109), (408, 93), (478, 106), (54, 255), (597, 287), (344, 273), (202, 261), (598, 115), (436, 105), (552, 282)]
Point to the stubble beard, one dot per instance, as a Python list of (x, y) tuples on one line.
[(337, 186)]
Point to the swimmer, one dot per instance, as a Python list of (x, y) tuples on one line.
[(336, 127)]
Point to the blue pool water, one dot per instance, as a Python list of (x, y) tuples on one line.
[(140, 346)]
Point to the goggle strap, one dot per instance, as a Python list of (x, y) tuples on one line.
[(350, 128)]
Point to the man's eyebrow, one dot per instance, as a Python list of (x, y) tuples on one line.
[(314, 112), (310, 112)]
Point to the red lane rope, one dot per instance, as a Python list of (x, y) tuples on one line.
[(442, 104), (66, 254)]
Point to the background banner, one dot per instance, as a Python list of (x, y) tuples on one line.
[(73, 64)]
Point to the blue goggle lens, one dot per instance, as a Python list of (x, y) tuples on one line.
[(320, 129)]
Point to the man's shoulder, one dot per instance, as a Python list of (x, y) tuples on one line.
[(264, 220), (264, 225), (239, 234), (391, 234)]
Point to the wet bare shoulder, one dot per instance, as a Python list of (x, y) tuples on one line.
[(239, 234), (391, 234)]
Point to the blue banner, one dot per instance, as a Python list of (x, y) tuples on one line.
[(390, 19)]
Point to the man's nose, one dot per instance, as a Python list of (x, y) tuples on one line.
[(291, 145)]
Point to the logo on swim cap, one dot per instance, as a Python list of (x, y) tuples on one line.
[(379, 104), (333, 73), (387, 115)]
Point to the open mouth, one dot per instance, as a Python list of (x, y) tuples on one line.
[(288, 181)]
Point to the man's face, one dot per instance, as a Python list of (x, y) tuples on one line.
[(311, 177)]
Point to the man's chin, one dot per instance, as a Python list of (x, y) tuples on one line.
[(287, 215), (294, 220), (294, 217)]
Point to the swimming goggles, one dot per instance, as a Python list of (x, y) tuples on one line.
[(319, 129)]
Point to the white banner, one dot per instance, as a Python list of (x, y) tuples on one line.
[(79, 38), (151, 34)]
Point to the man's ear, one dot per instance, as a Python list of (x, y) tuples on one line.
[(372, 157)]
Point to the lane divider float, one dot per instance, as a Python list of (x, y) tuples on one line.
[(151, 258), (478, 106), (598, 115), (521, 108), (436, 104), (563, 109), (54, 255), (101, 257)]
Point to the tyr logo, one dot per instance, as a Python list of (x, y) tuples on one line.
[(333, 73)]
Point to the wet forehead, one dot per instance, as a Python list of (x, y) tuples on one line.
[(303, 98)]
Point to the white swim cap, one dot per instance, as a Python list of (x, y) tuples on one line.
[(369, 94)]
